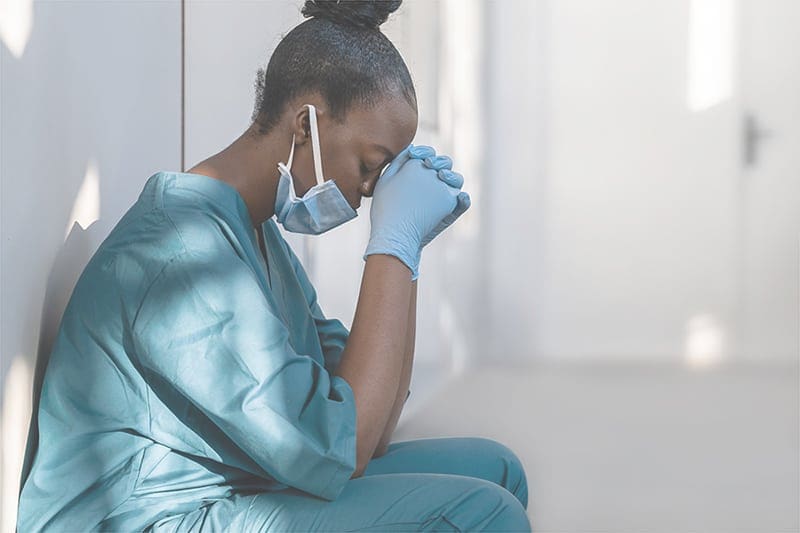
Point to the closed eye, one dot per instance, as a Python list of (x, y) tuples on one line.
[(379, 171)]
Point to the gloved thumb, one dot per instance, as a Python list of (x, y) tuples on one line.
[(463, 202), (421, 151)]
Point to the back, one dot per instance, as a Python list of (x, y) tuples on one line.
[(182, 373)]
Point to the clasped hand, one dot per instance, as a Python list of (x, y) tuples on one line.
[(414, 200)]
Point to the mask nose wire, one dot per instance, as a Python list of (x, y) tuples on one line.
[(312, 118)]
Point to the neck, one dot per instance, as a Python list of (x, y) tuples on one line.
[(250, 165)]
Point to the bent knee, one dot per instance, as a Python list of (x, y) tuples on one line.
[(485, 506), (513, 477)]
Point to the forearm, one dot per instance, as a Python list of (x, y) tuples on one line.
[(373, 358), (405, 377)]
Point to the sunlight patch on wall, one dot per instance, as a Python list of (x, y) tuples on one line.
[(451, 338), (460, 100), (86, 208), (710, 54), (705, 340), (17, 391), (16, 24)]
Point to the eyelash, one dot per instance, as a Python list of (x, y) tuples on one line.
[(365, 170), (378, 171)]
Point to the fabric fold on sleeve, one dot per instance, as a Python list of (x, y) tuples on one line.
[(206, 328), (332, 333)]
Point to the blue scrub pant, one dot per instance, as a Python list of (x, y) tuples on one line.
[(440, 484)]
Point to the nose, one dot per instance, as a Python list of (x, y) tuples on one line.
[(368, 186)]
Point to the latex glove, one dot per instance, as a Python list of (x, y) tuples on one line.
[(463, 201), (409, 201), (439, 162), (455, 180), (443, 164), (409, 152)]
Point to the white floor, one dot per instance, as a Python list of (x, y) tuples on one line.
[(634, 448)]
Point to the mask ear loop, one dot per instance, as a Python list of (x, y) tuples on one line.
[(291, 155), (312, 118)]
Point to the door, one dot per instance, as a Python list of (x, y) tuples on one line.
[(640, 187), (770, 208), (662, 240)]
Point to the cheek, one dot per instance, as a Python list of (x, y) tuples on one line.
[(345, 170), (347, 181), (346, 178), (339, 164)]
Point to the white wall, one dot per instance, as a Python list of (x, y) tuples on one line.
[(90, 109), (515, 203), (641, 190), (615, 203)]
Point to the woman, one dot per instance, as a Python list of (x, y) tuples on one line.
[(195, 383)]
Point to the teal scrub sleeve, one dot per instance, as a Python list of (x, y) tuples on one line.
[(332, 333), (206, 327), (332, 337)]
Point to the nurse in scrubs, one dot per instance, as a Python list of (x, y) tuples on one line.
[(195, 383)]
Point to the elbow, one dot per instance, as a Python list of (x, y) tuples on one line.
[(380, 450), (359, 471), (362, 464)]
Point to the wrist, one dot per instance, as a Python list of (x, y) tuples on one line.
[(390, 258), (405, 251)]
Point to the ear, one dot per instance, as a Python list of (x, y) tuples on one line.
[(301, 126)]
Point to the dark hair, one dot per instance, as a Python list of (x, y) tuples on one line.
[(340, 53)]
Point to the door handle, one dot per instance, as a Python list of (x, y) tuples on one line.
[(752, 137)]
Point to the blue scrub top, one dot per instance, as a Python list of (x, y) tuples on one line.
[(182, 372)]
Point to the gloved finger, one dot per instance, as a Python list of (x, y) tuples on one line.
[(398, 161), (453, 179), (421, 151), (463, 202), (438, 162)]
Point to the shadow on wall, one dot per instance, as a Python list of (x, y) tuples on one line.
[(83, 127), (67, 268), (45, 156)]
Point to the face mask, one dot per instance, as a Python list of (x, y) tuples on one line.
[(323, 207)]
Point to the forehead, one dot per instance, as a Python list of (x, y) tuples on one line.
[(391, 122)]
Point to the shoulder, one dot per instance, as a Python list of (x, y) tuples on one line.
[(170, 243)]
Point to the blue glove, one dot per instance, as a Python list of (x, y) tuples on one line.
[(438, 162), (410, 200), (443, 164), (409, 152)]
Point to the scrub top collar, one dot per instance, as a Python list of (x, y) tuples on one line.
[(212, 193)]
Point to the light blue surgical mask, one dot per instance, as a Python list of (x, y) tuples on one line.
[(320, 209)]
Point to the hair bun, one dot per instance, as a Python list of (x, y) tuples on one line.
[(365, 14)]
